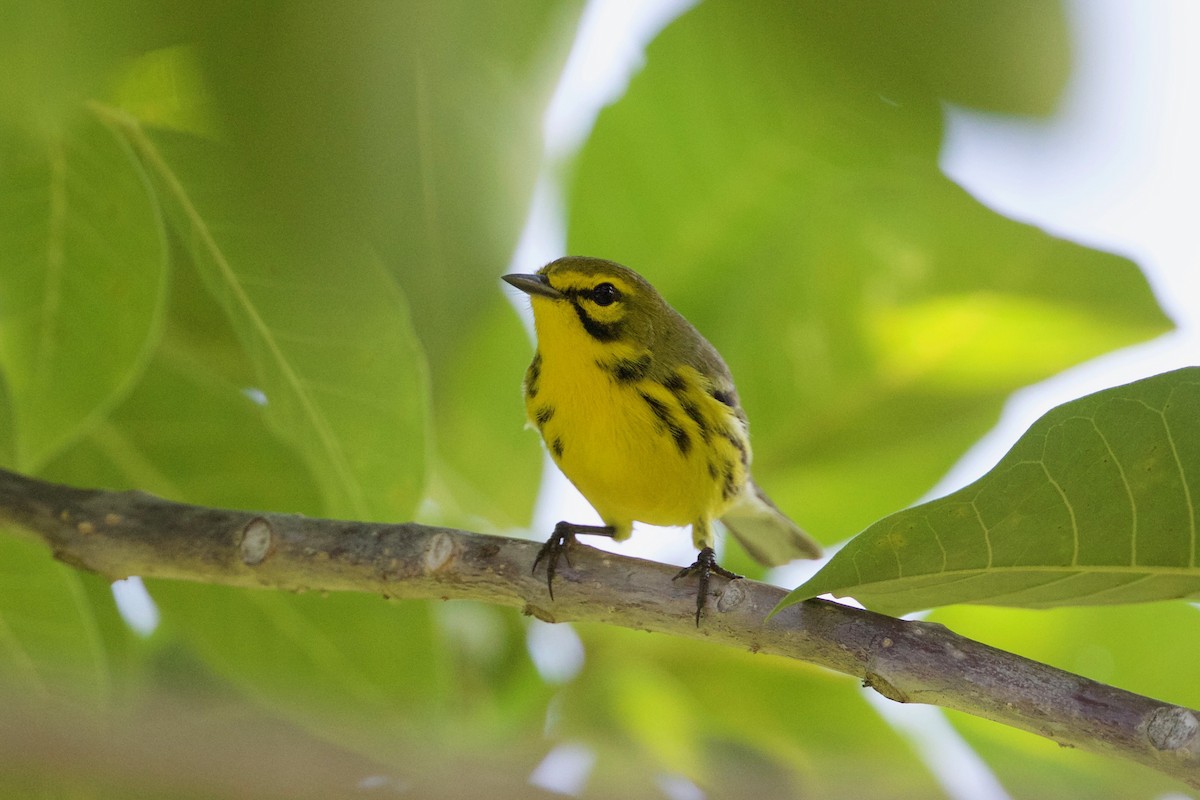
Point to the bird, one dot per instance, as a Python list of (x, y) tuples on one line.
[(641, 414)]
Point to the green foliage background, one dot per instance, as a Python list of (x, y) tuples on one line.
[(248, 257)]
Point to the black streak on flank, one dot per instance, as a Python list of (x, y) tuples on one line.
[(724, 397), (532, 375), (693, 411), (675, 383), (544, 415), (738, 443), (557, 446), (627, 370), (728, 486), (600, 331), (682, 441), (677, 386)]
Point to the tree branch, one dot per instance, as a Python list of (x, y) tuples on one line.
[(118, 534)]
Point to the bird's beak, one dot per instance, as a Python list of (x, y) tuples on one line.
[(533, 285)]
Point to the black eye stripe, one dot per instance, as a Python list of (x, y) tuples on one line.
[(602, 294)]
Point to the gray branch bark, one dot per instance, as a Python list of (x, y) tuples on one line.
[(118, 534)]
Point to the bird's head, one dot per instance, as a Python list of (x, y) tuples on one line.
[(579, 300)]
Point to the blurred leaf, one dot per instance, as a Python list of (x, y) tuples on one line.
[(56, 55), (56, 641), (803, 730), (417, 125), (1028, 765), (1006, 56), (225, 456), (326, 327), (351, 668), (8, 446), (1093, 505), (227, 453), (480, 410), (166, 88), (785, 195), (82, 279)]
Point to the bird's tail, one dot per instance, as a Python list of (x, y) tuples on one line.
[(766, 533)]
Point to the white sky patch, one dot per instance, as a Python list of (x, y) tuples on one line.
[(556, 650), (1117, 168), (565, 769), (677, 787), (135, 605), (609, 49), (256, 395), (954, 764)]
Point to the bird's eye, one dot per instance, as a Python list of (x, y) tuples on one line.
[(604, 294)]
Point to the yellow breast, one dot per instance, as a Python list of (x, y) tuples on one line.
[(656, 449)]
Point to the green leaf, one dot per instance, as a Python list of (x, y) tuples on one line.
[(414, 125), (8, 447), (480, 410), (1095, 504), (58, 55), (736, 723), (417, 128), (326, 327), (776, 178), (226, 455), (82, 279), (53, 642), (352, 668)]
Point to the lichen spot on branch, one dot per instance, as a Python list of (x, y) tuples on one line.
[(1171, 728), (258, 539), (438, 553)]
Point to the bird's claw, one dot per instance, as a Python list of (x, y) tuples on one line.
[(705, 567), (558, 545)]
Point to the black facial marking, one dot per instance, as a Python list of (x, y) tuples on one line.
[(544, 414), (682, 441), (600, 331), (557, 446), (713, 472), (628, 370), (532, 375)]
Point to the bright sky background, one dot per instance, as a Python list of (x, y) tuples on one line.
[(1117, 168)]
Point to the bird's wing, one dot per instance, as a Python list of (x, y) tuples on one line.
[(765, 531)]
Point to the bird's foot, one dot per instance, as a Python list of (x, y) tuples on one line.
[(705, 567), (559, 546)]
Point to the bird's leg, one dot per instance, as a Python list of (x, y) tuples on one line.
[(705, 567), (559, 545)]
